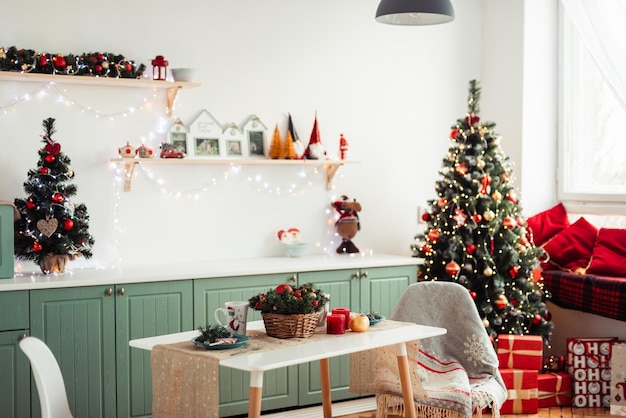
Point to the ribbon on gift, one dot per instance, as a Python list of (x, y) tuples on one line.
[(543, 394), (512, 350), (517, 394)]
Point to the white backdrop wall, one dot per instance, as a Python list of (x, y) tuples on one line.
[(392, 91)]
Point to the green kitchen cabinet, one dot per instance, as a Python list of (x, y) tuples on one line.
[(362, 290), (14, 365), (88, 330), (279, 386)]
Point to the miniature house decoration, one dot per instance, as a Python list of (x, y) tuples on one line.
[(254, 131), (177, 137), (204, 139), (234, 141)]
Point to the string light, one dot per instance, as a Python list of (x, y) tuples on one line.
[(61, 97)]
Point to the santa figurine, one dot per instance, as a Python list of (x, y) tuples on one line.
[(348, 224), (315, 150)]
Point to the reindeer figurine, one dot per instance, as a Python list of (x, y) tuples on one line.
[(348, 224)]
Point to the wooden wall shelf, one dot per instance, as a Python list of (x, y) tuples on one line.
[(330, 166), (171, 87)]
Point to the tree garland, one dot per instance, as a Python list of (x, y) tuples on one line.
[(99, 64)]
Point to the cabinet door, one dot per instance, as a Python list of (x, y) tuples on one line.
[(145, 310), (381, 287), (344, 289), (279, 386), (78, 324), (15, 372)]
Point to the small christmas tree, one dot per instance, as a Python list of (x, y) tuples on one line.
[(51, 230), (276, 146), (475, 233)]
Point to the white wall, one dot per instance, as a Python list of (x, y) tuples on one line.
[(393, 91)]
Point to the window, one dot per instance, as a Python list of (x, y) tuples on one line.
[(592, 137)]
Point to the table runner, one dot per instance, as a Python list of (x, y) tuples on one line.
[(185, 378)]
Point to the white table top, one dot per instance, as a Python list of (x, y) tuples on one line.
[(349, 342)]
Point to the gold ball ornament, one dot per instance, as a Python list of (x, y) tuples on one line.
[(488, 272), (486, 322), (480, 164), (489, 215), (497, 196)]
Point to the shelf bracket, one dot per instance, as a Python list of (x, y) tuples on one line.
[(129, 169), (170, 98), (331, 170)]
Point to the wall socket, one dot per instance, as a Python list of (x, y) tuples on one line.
[(421, 210)]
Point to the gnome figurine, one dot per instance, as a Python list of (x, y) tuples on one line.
[(315, 150), (348, 224)]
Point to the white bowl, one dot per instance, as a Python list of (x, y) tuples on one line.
[(295, 250), (183, 74)]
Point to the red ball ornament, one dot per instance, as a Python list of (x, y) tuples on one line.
[(509, 223), (501, 302), (44, 170), (30, 205), (59, 61), (57, 198), (49, 158), (477, 217), (473, 294), (433, 235), (425, 216), (37, 246), (514, 271), (68, 224), (537, 319), (452, 268), (470, 248), (425, 249), (454, 133)]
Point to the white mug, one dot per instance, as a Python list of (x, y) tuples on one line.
[(236, 316)]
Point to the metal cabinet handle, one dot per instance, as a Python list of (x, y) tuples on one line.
[(109, 292), (356, 275), (121, 291), (293, 278), (365, 274)]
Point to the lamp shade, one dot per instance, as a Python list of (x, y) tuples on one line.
[(414, 12)]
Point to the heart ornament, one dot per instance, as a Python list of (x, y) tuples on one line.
[(47, 227)]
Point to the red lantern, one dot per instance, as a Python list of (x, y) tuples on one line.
[(159, 68)]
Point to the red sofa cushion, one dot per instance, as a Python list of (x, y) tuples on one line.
[(609, 253), (545, 225), (571, 248)]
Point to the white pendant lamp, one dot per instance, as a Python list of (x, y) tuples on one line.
[(414, 12)]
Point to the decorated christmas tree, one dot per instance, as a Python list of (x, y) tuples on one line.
[(52, 230), (475, 233)]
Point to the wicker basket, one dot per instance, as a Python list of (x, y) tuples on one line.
[(290, 326)]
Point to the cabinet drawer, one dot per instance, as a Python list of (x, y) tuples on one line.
[(14, 310)]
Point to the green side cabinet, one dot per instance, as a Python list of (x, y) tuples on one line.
[(88, 330), (279, 386), (362, 290), (14, 365)]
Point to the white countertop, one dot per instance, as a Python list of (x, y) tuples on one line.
[(200, 270)]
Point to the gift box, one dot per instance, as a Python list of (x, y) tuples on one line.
[(520, 352), (555, 389), (588, 362), (618, 379), (522, 391)]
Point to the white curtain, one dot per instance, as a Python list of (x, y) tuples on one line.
[(602, 27)]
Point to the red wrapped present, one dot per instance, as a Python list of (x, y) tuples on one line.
[(520, 352), (555, 389), (588, 362), (522, 391)]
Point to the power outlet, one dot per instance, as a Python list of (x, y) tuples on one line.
[(421, 210)]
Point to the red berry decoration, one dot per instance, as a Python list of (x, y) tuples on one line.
[(68, 224), (44, 170), (473, 294), (57, 198), (37, 246), (50, 158), (30, 205)]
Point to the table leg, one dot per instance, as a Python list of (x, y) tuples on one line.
[(325, 383), (405, 381), (256, 393)]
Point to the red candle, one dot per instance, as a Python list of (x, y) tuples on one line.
[(346, 313), (335, 324)]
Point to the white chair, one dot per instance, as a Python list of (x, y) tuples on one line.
[(48, 378), (458, 370)]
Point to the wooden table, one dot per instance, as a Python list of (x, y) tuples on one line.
[(310, 350)]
